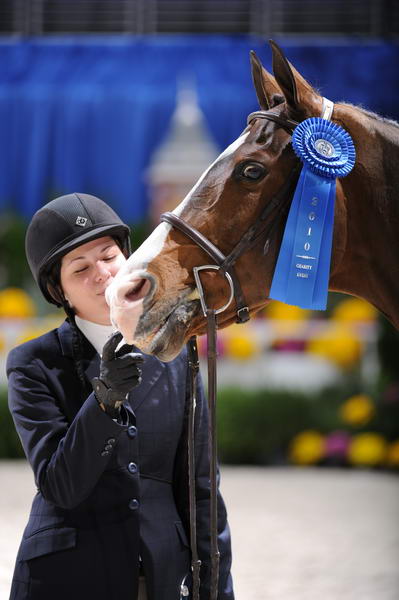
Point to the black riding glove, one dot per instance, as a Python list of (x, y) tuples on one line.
[(119, 374)]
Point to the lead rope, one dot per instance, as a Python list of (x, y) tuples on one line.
[(194, 368), (212, 441), (210, 315), (212, 449)]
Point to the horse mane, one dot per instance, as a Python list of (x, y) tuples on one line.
[(373, 115)]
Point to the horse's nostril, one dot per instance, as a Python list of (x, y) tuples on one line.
[(138, 291), (134, 292)]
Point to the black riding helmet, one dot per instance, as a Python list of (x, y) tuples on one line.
[(62, 225)]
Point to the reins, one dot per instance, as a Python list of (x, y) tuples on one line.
[(225, 264)]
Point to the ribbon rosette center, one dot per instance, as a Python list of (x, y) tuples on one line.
[(324, 148)]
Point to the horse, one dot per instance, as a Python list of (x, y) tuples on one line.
[(238, 209)]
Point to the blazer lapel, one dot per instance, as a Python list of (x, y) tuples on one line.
[(65, 336), (151, 371)]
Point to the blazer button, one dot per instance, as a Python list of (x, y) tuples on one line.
[(133, 504), (105, 453), (111, 441), (132, 431), (132, 467)]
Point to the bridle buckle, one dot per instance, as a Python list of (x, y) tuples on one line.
[(243, 315), (198, 282)]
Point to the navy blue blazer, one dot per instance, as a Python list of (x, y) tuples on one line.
[(108, 495)]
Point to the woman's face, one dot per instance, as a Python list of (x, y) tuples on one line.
[(86, 272)]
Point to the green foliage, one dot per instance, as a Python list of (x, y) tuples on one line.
[(14, 268), (256, 426), (388, 351)]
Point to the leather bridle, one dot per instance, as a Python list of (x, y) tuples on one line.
[(262, 229), (280, 203)]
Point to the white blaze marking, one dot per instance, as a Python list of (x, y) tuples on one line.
[(151, 247), (139, 260), (229, 150)]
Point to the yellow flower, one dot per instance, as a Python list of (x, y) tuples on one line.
[(285, 312), (241, 347), (357, 410), (352, 310), (367, 449), (16, 304), (393, 454), (337, 344), (307, 447), (287, 320)]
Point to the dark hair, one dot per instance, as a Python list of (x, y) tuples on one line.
[(53, 277), (55, 289)]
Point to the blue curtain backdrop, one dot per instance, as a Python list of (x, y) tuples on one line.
[(85, 114)]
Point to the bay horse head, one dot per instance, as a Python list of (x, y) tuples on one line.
[(238, 209)]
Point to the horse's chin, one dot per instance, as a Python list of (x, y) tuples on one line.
[(166, 341)]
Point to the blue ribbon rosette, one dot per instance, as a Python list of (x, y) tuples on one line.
[(303, 266)]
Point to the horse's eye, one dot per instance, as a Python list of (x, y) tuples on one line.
[(252, 171)]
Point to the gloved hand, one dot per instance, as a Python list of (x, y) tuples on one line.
[(119, 374)]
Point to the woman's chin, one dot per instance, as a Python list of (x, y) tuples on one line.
[(99, 313)]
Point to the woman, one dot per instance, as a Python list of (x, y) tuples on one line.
[(105, 435)]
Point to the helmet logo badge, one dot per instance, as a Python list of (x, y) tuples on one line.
[(81, 221)]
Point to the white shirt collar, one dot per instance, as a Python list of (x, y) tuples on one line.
[(96, 334)]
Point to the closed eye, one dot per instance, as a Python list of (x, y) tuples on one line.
[(81, 270), (107, 259)]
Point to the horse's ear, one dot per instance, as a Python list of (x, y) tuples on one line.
[(266, 86), (301, 98)]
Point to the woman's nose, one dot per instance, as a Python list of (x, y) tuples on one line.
[(102, 271)]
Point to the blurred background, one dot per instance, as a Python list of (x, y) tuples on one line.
[(131, 100)]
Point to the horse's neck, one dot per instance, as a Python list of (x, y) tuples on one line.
[(369, 267)]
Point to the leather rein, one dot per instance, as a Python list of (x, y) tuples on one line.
[(261, 229)]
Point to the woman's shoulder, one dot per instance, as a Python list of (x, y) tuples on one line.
[(41, 347)]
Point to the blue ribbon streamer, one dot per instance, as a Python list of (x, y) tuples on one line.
[(303, 266)]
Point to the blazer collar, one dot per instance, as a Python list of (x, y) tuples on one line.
[(65, 337), (152, 368)]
